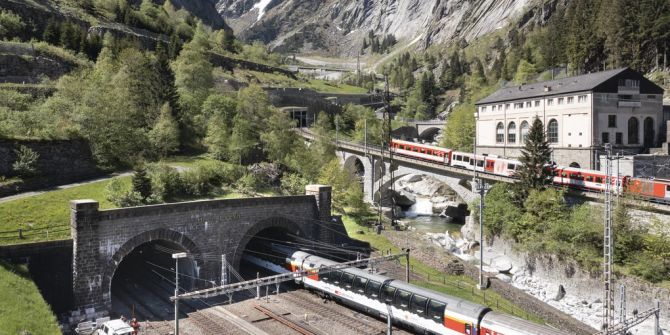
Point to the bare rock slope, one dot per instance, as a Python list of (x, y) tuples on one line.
[(338, 26)]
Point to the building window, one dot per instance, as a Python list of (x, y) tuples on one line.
[(552, 131), (581, 98), (524, 131), (493, 108), (561, 100), (550, 102), (571, 100), (618, 138), (500, 107), (511, 133), (537, 103), (611, 121), (649, 132), (529, 104), (633, 131), (632, 83), (603, 98), (605, 137), (518, 105), (500, 133), (506, 106), (483, 109)]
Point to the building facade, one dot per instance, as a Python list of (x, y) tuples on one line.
[(579, 114)]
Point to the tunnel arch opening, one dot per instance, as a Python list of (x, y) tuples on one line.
[(143, 281), (429, 134)]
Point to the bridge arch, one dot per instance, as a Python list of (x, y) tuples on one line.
[(174, 238), (429, 133), (276, 223), (355, 165)]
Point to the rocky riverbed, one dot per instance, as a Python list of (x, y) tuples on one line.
[(562, 286)]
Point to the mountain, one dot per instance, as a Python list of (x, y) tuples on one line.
[(339, 26)]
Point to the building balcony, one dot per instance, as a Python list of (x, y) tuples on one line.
[(630, 103), (628, 90)]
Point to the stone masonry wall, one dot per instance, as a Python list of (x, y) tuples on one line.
[(102, 239), (60, 162)]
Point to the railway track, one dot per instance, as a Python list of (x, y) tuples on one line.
[(286, 322), (357, 326)]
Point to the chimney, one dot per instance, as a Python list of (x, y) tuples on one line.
[(547, 88)]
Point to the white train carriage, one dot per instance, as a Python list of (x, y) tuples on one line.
[(495, 323)]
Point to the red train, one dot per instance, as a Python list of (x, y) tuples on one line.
[(591, 180)]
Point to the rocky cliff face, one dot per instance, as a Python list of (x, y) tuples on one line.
[(338, 26)]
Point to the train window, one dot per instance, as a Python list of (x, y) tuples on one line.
[(599, 180), (436, 311), (387, 294), (457, 158), (359, 284), (347, 280), (335, 277), (480, 163), (564, 175), (402, 299), (589, 178), (324, 276), (372, 290), (510, 166), (418, 304)]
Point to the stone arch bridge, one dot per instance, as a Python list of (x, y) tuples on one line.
[(102, 238), (370, 165)]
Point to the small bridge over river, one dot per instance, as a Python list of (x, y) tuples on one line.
[(368, 162)]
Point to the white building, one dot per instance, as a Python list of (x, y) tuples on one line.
[(580, 114)]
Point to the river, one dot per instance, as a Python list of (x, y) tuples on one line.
[(420, 217)]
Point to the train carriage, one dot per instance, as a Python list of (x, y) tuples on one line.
[(423, 310), (587, 179), (494, 323), (651, 188), (422, 151)]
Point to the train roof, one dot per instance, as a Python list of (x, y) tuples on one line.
[(421, 144), (513, 325), (454, 304)]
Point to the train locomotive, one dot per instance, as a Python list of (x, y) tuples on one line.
[(424, 311), (657, 190)]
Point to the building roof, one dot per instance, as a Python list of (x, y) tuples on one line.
[(584, 82)]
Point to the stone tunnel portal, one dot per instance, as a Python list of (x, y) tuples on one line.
[(144, 281)]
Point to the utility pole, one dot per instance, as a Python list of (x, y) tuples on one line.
[(387, 116), (337, 129), (365, 124), (607, 245), (176, 258), (622, 304), (224, 272), (481, 187)]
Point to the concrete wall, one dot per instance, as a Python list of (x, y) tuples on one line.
[(102, 238)]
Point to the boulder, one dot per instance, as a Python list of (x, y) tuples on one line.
[(404, 198), (454, 210), (505, 278), (502, 263), (412, 178)]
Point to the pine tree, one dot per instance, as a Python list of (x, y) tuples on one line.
[(141, 182), (51, 32), (536, 153)]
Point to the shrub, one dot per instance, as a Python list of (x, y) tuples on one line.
[(293, 184), (247, 184), (166, 182), (26, 161), (650, 268), (121, 195)]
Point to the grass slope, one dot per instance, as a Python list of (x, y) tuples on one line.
[(22, 308), (458, 286)]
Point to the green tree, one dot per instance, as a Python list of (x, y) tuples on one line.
[(164, 135), (459, 131), (220, 111), (525, 72), (243, 140), (535, 154), (278, 137), (141, 182), (10, 24), (51, 32)]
